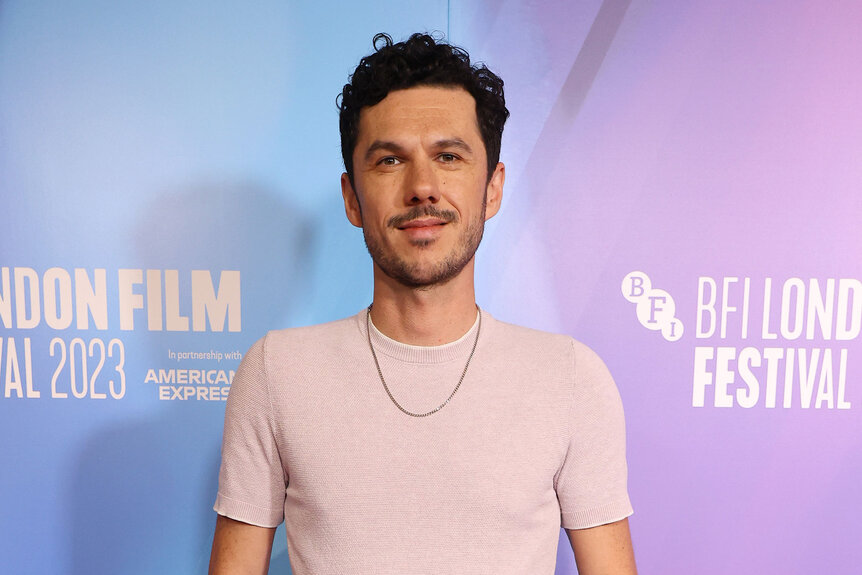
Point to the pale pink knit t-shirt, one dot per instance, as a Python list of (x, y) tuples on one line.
[(534, 439)]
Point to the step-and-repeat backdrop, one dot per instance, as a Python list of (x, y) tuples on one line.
[(684, 195)]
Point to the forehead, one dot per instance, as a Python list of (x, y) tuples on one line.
[(432, 111)]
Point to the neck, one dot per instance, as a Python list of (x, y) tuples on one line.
[(432, 315)]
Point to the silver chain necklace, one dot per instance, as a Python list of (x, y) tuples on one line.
[(386, 387)]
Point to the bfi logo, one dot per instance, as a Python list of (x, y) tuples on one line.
[(654, 307)]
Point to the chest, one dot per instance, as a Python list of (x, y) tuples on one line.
[(480, 460)]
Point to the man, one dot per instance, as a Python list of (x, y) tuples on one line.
[(422, 436)]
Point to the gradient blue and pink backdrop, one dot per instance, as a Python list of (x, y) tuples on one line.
[(683, 195)]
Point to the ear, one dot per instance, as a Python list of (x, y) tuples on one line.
[(494, 191), (351, 201)]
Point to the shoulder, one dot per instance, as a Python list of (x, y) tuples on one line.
[(279, 348), (513, 336), (309, 337), (519, 340), (296, 354), (549, 357)]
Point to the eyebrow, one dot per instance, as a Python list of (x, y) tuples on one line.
[(454, 143), (382, 145), (390, 146)]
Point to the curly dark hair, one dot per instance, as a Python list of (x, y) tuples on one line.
[(421, 61)]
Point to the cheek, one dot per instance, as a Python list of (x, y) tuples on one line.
[(377, 219)]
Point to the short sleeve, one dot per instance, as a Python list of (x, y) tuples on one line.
[(252, 482), (591, 484)]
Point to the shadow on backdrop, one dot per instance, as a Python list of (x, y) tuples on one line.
[(143, 488)]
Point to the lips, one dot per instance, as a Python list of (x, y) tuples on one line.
[(422, 223)]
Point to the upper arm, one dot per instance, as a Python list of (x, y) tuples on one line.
[(252, 479), (591, 482), (604, 550), (240, 548)]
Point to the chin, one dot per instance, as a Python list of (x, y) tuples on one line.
[(425, 276)]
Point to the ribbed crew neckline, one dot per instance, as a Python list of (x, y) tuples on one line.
[(456, 350)]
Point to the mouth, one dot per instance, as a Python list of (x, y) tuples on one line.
[(421, 223)]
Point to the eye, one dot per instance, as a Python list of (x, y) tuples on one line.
[(388, 161), (447, 158)]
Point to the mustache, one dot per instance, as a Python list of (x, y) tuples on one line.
[(417, 212)]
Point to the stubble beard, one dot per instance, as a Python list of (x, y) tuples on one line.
[(414, 275)]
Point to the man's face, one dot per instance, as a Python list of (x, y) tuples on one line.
[(420, 190)]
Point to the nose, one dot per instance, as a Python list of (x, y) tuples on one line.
[(421, 185)]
